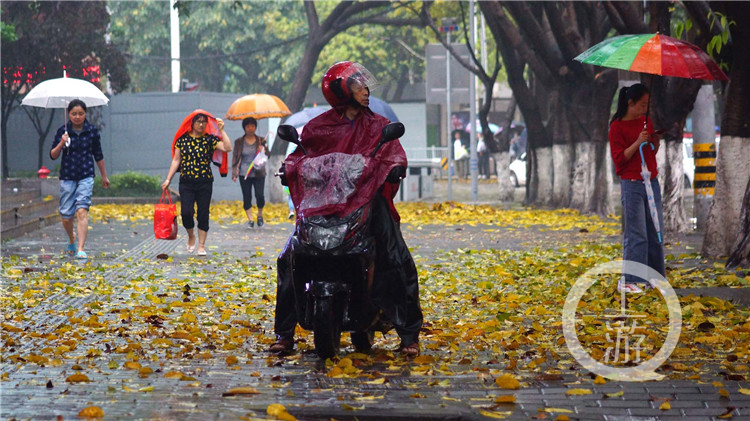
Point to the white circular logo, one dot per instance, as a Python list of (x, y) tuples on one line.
[(642, 372)]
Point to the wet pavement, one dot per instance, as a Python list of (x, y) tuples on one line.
[(125, 258)]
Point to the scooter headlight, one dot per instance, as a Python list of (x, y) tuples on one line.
[(327, 238)]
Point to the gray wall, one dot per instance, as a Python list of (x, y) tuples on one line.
[(137, 132)]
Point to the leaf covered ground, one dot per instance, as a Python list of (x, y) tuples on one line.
[(493, 313)]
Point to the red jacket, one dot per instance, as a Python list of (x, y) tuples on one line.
[(622, 134), (333, 132)]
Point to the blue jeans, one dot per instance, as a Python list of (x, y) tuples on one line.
[(74, 195), (640, 242)]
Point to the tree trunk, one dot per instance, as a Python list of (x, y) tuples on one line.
[(733, 162), (740, 255), (672, 182), (502, 167)]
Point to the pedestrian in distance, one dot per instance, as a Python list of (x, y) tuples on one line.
[(249, 158), (629, 128), (78, 142), (192, 155)]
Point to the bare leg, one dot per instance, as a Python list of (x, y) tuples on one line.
[(202, 239), (191, 237), (68, 225), (249, 213), (82, 216), (260, 212)]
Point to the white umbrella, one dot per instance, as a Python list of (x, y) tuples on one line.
[(57, 93), (646, 174)]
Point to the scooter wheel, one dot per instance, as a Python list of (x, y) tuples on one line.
[(326, 329)]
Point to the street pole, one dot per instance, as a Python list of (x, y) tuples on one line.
[(704, 154), (448, 117), (473, 112), (174, 24), (447, 28)]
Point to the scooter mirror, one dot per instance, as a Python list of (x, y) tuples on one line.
[(392, 132), (288, 133)]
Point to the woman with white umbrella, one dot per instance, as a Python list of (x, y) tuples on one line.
[(78, 142)]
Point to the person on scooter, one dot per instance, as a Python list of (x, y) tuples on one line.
[(351, 127)]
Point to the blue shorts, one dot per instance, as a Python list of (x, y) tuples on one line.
[(75, 195)]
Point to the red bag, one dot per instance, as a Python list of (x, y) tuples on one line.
[(165, 218)]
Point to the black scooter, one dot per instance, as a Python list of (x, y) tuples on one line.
[(333, 257)]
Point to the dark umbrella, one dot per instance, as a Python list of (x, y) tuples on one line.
[(300, 118), (379, 106)]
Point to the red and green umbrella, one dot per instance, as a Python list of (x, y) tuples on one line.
[(654, 54)]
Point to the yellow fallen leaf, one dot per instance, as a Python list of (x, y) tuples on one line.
[(77, 378), (560, 410), (146, 389), (376, 381), (506, 381), (424, 359), (173, 375), (615, 394), (723, 393), (232, 360), (132, 365), (725, 415), (246, 390), (91, 412), (494, 414), (599, 380), (665, 406), (278, 411), (578, 392), (562, 418), (417, 395), (353, 408), (505, 399), (744, 391)]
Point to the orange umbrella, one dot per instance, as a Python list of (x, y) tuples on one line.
[(258, 106)]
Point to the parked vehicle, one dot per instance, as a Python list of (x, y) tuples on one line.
[(518, 171), (333, 256)]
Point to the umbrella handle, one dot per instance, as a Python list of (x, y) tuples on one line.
[(640, 149)]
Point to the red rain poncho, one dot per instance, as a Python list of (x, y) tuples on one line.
[(219, 158), (332, 132)]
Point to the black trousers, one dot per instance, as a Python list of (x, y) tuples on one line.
[(395, 287), (247, 186), (194, 193)]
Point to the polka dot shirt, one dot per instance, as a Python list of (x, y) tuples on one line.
[(195, 156)]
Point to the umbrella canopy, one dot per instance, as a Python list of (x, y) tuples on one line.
[(654, 54), (381, 107), (57, 93), (257, 106), (494, 127), (300, 118)]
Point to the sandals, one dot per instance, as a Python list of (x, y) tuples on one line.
[(71, 249), (410, 350), (282, 346), (190, 248)]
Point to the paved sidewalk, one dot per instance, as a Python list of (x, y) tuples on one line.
[(124, 258)]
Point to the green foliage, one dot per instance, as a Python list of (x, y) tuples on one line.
[(225, 46), (718, 41), (7, 32), (130, 184), (247, 47)]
